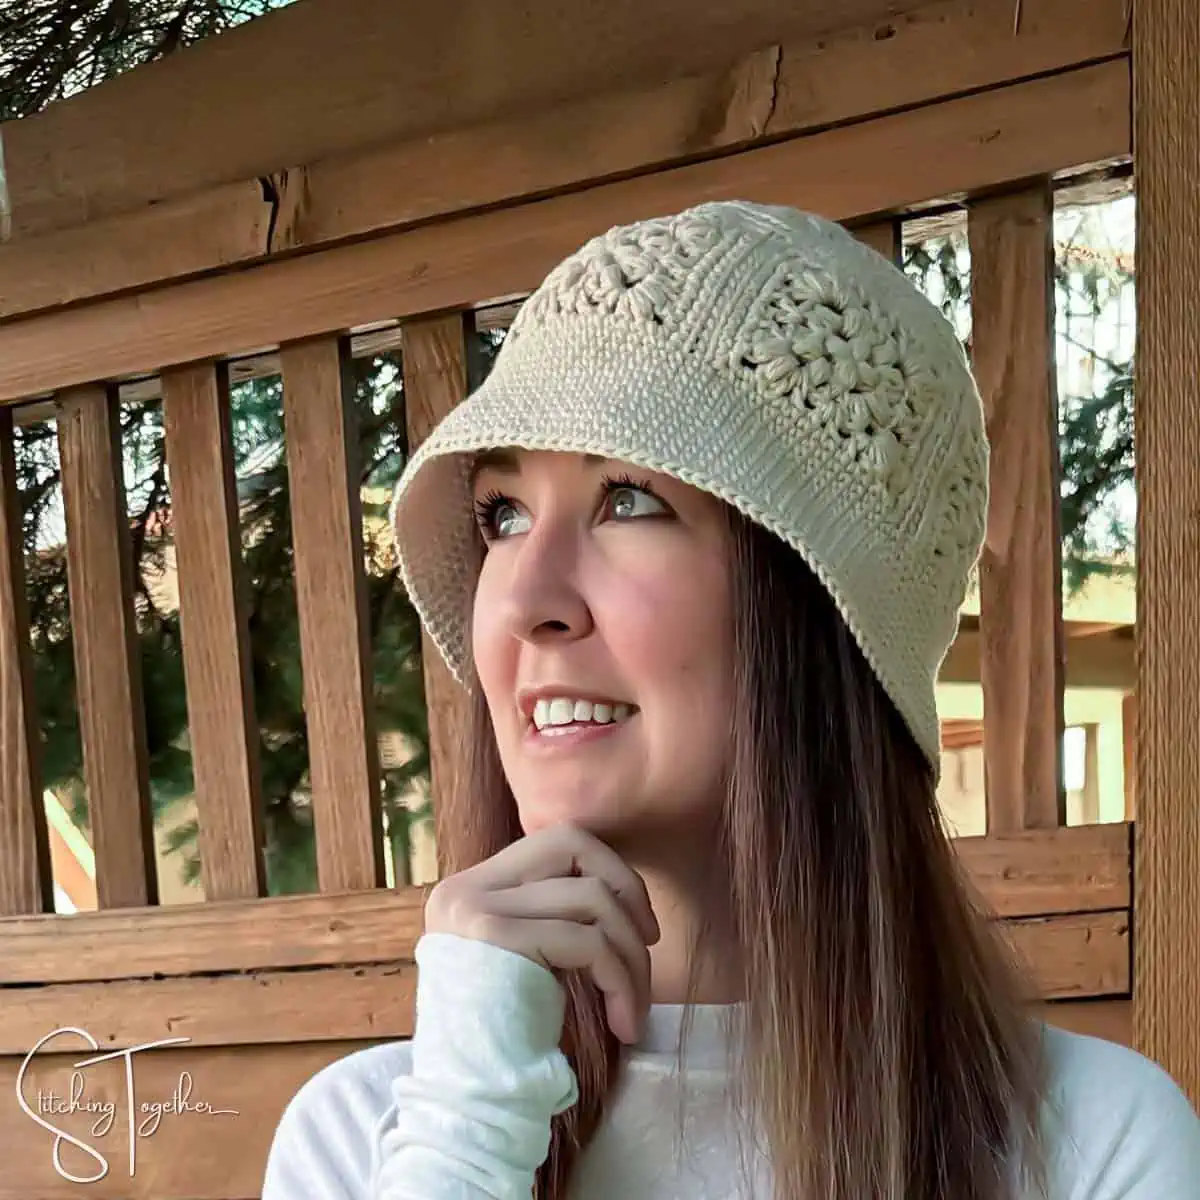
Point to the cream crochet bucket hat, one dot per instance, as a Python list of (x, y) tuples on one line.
[(771, 359)]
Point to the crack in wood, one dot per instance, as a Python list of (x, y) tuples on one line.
[(773, 98), (271, 196)]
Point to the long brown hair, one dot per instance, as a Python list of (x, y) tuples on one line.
[(887, 1052)]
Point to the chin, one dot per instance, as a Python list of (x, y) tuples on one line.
[(598, 814)]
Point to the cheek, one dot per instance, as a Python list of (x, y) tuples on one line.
[(494, 652), (670, 626)]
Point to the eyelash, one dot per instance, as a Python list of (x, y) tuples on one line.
[(489, 504)]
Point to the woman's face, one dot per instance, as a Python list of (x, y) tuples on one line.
[(602, 638)]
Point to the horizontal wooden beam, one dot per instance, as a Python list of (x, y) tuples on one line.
[(1067, 956), (1100, 661), (384, 340), (942, 49), (960, 147), (401, 71), (378, 926), (1109, 1019), (1066, 871), (959, 733), (219, 1010), (192, 1155), (204, 1156), (1071, 957), (1075, 869)]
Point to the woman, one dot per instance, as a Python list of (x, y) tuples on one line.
[(702, 936)]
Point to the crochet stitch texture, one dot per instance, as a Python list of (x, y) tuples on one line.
[(768, 357)]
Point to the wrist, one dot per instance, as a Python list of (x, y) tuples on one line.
[(469, 989)]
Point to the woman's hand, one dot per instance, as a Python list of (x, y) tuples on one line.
[(564, 899)]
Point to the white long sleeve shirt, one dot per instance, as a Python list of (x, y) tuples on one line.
[(462, 1112)]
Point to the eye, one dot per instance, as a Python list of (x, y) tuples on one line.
[(627, 499), (499, 516)]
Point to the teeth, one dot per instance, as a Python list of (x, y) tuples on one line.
[(565, 710)]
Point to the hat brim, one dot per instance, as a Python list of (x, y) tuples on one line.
[(673, 415)]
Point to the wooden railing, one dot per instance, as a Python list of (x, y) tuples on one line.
[(268, 990)]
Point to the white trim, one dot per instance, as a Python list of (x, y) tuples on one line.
[(60, 819)]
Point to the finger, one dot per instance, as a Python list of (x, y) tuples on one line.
[(586, 901), (569, 946), (566, 850)]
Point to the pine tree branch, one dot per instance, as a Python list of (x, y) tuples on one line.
[(50, 49), (1117, 368)]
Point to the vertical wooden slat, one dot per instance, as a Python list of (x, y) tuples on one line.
[(1020, 575), (1166, 48), (884, 236), (322, 449), (436, 378), (108, 678), (26, 880), (221, 722)]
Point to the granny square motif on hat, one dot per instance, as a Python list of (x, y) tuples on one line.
[(768, 357)]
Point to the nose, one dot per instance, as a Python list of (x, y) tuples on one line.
[(543, 600)]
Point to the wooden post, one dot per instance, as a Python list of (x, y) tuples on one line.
[(1166, 995), (1020, 573), (436, 379)]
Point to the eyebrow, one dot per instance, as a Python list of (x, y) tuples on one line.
[(506, 461)]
